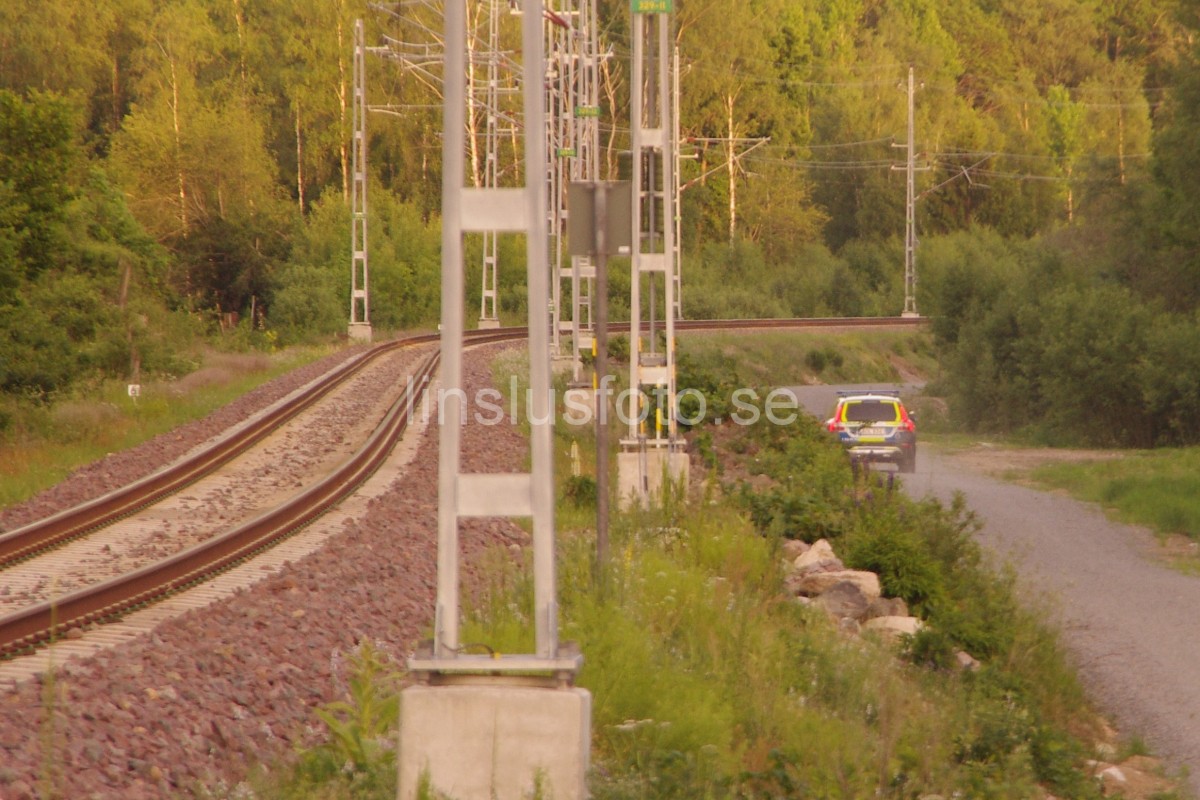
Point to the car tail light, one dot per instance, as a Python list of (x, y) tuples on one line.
[(834, 427)]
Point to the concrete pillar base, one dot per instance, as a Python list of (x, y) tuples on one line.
[(360, 331), (488, 324), (640, 474), (501, 737)]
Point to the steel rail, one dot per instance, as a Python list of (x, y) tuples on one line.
[(43, 622), (71, 523), (58, 529)]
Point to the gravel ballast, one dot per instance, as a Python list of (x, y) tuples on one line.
[(210, 694)]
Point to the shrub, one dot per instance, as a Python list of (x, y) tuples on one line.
[(818, 360), (618, 348), (815, 360), (580, 491), (360, 754), (905, 566), (308, 304)]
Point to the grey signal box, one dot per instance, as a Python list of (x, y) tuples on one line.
[(618, 217)]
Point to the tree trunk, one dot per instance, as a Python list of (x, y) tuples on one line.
[(731, 167), (610, 91), (1070, 198), (177, 126), (126, 278), (240, 21), (341, 92), (1121, 143), (299, 161), (115, 123), (135, 359), (473, 104)]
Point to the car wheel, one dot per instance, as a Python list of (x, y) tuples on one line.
[(909, 464)]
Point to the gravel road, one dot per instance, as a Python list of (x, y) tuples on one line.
[(1130, 622)]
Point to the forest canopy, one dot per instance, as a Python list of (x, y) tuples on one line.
[(190, 159)]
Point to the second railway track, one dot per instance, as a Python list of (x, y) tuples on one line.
[(124, 565), (155, 554)]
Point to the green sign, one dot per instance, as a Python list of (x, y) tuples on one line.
[(588, 112), (566, 152), (653, 6)]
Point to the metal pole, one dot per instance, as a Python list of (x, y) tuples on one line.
[(360, 306), (910, 225), (637, 123), (677, 248), (453, 172), (601, 212), (537, 277)]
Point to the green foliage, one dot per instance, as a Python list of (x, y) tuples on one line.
[(905, 566), (618, 348), (360, 752), (308, 304), (580, 491), (38, 159), (817, 360), (705, 684), (36, 357), (225, 130), (715, 379), (405, 265), (40, 443), (1071, 361), (1155, 488)]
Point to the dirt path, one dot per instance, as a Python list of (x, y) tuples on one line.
[(1131, 622)]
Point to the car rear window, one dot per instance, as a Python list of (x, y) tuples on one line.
[(871, 411)]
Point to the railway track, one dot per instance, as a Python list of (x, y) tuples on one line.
[(45, 620)]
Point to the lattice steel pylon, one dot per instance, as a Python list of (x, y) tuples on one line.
[(489, 316), (360, 306), (468, 209), (677, 188), (654, 196), (573, 137)]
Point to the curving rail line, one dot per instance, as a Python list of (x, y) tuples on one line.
[(41, 623), (32, 539)]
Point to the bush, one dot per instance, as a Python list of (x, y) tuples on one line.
[(905, 566), (818, 360), (580, 491), (307, 304), (618, 348)]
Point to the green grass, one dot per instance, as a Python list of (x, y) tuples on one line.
[(709, 682), (1159, 488), (781, 358), (43, 444)]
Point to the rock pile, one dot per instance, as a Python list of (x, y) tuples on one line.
[(852, 598)]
